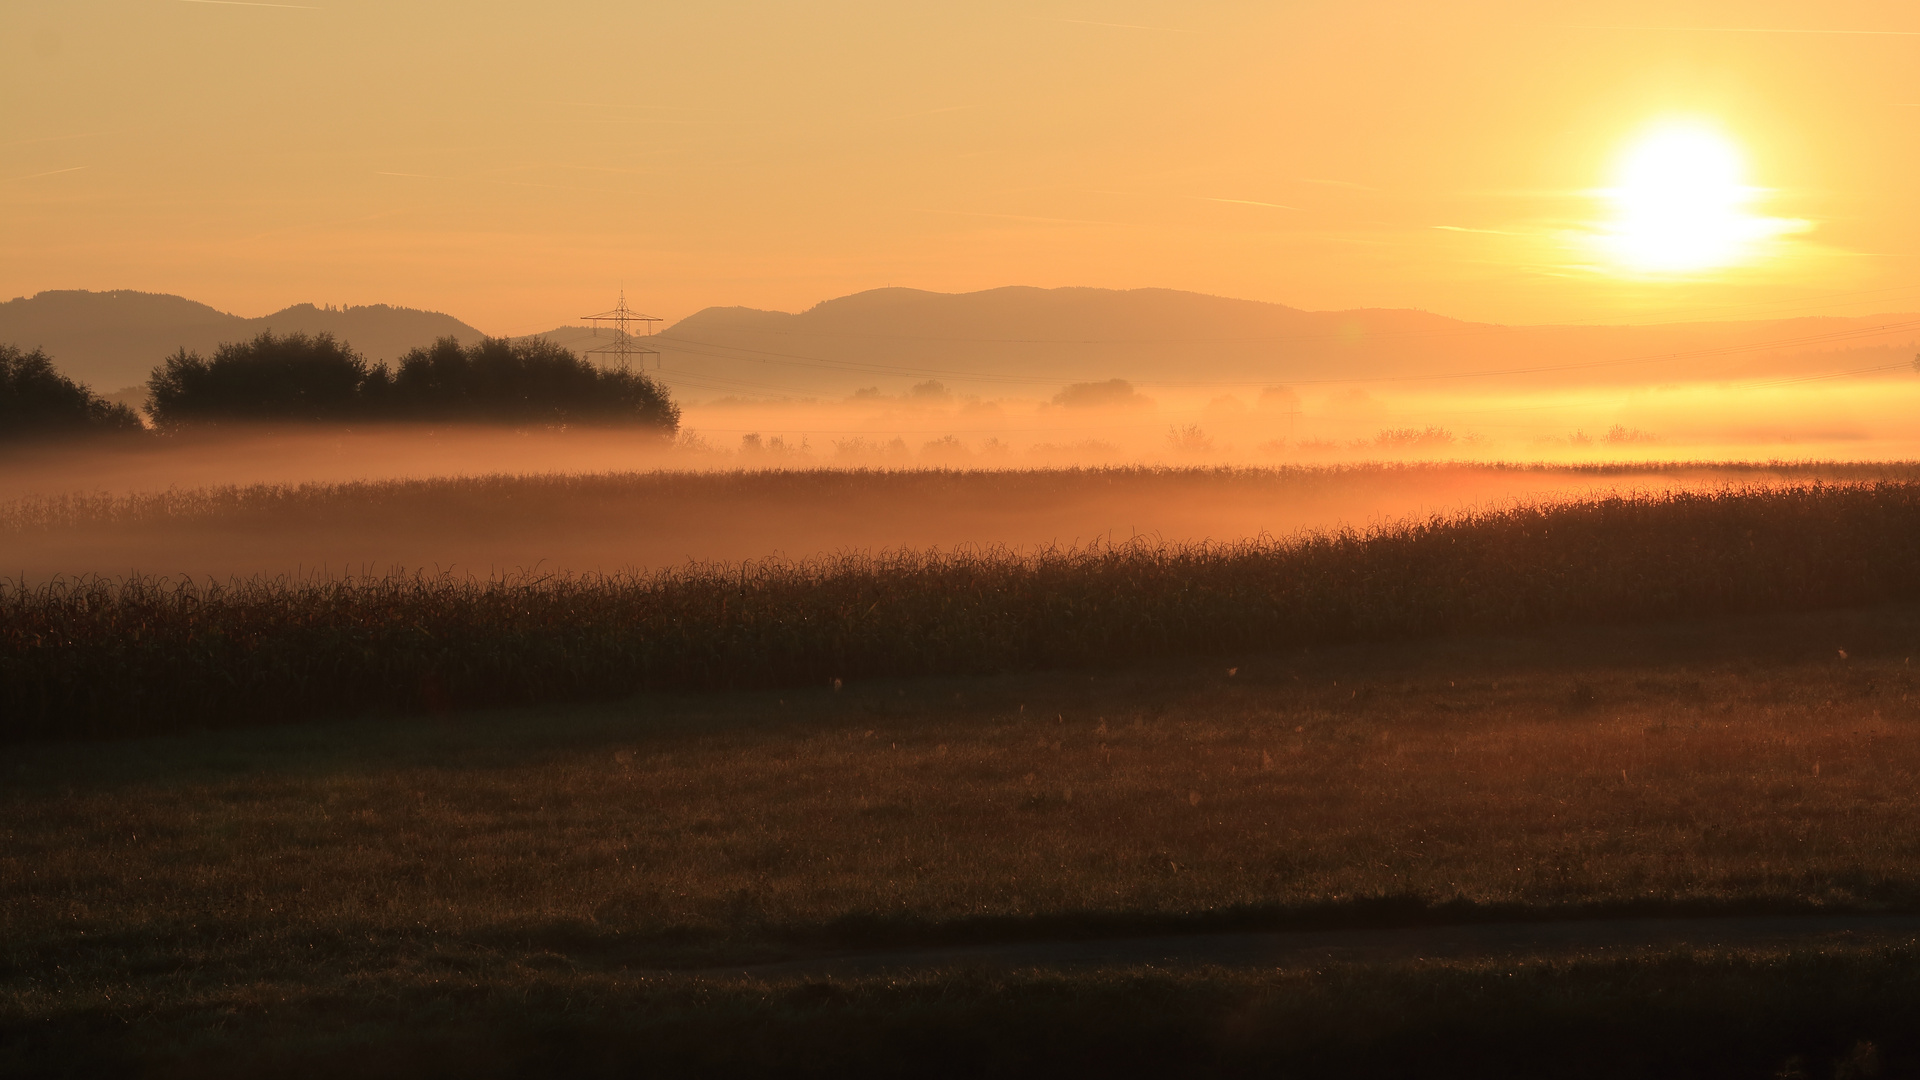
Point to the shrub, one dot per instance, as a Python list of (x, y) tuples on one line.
[(36, 400), (1405, 438), (269, 378), (1097, 395)]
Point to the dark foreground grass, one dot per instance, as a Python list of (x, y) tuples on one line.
[(99, 658), (1835, 1014), (527, 892), (1710, 766)]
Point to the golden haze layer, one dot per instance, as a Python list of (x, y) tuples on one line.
[(508, 163)]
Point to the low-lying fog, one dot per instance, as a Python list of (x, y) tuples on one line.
[(161, 508), (637, 521), (929, 425), (1800, 419)]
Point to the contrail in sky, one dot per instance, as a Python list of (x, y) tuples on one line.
[(1125, 26), (253, 3), (1018, 217), (1247, 202), (1754, 30), (35, 176), (504, 183), (1335, 183)]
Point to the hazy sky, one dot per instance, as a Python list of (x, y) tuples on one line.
[(514, 163)]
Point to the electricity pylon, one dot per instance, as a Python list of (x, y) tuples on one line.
[(625, 346)]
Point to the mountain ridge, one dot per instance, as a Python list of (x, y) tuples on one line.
[(1017, 340), (113, 339), (1022, 336)]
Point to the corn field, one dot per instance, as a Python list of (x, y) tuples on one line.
[(106, 658)]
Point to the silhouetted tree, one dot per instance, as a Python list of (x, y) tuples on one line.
[(319, 379), (269, 378), (532, 381), (36, 400)]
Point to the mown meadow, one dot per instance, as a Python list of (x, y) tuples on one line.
[(572, 891)]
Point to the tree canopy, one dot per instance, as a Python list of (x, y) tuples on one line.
[(36, 400), (523, 381), (295, 377), (301, 378)]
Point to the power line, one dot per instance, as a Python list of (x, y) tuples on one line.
[(626, 346)]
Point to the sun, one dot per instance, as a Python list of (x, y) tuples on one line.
[(1681, 203)]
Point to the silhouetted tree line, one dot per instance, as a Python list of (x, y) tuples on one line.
[(319, 379), (297, 378), (37, 401)]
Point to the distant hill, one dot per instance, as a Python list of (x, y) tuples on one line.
[(1017, 341), (1028, 340), (112, 340)]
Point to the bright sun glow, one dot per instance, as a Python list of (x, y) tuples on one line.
[(1681, 199)]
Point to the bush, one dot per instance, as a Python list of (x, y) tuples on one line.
[(301, 378), (269, 378), (36, 400), (520, 381), (1097, 395)]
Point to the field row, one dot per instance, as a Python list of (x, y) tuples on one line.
[(99, 658)]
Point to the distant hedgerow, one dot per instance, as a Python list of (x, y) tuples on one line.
[(36, 400), (317, 379)]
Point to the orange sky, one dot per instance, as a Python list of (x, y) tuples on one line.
[(513, 163)]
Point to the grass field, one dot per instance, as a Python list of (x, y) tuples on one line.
[(1835, 1013), (536, 826), (515, 890)]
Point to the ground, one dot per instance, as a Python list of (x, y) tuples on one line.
[(343, 893)]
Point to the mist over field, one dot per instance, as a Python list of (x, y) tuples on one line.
[(621, 522), (1789, 418), (1016, 378), (1124, 538), (917, 421)]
